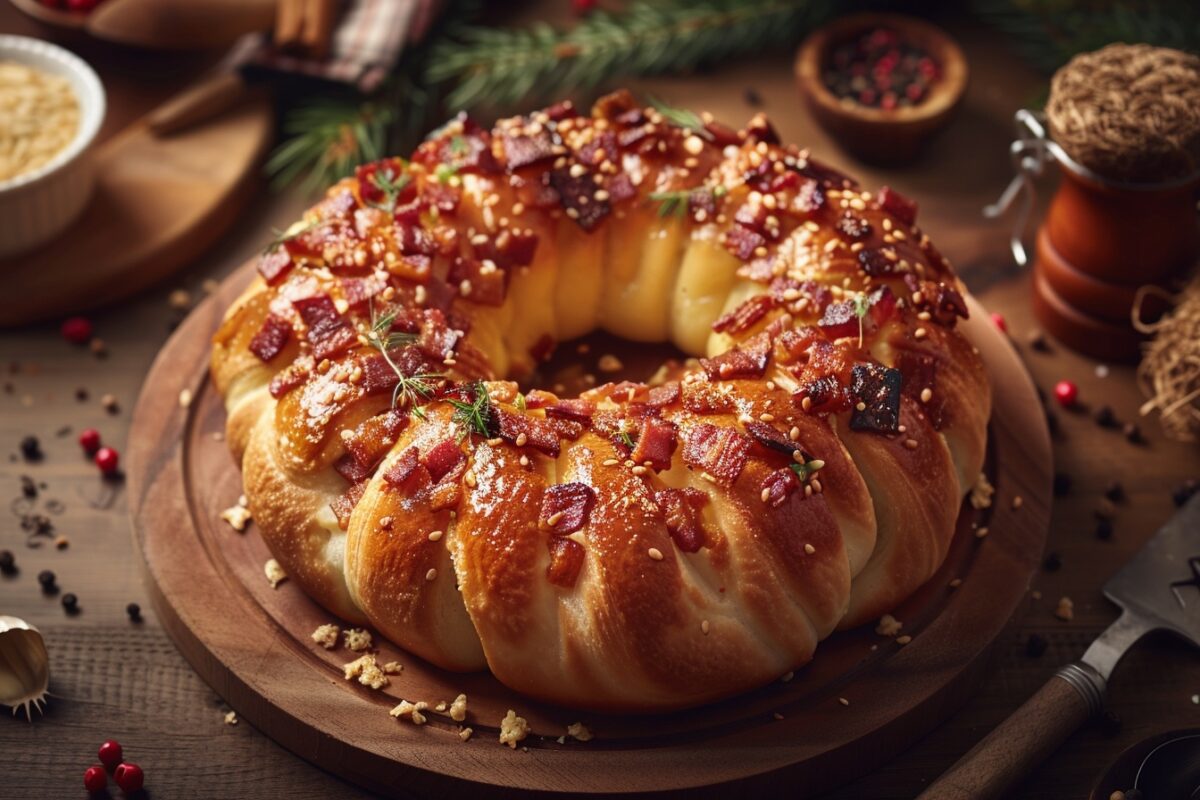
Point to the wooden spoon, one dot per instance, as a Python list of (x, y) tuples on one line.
[(167, 24)]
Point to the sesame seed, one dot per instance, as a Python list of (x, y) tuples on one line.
[(655, 553), (524, 461), (955, 583), (610, 462), (431, 574), (639, 470), (765, 495), (843, 701), (926, 394), (808, 548), (435, 535), (911, 444), (982, 532), (1017, 502), (554, 518), (903, 640), (704, 627), (920, 333), (469, 478), (765, 417), (521, 439)]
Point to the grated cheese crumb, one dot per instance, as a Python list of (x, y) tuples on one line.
[(326, 636), (358, 639), (274, 573), (513, 729)]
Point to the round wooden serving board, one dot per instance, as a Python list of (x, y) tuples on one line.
[(251, 643)]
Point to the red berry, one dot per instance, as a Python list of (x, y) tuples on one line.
[(1066, 393), (89, 440), (999, 321), (129, 777), (106, 460), (110, 754), (77, 330), (94, 779)]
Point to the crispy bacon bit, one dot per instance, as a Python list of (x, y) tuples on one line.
[(405, 468), (286, 379), (578, 409), (706, 398), (328, 332), (745, 315), (824, 395), (275, 265), (853, 227), (839, 320), (824, 173), (359, 291), (598, 149), (271, 338), (539, 398), (509, 249), (523, 150), (378, 375), (875, 263), (488, 283), (437, 338), (655, 443), (720, 452), (374, 437), (389, 171), (748, 360), (664, 395), (543, 348), (565, 428), (742, 242), (948, 305), (898, 205), (792, 345), (809, 198), (771, 438), (920, 373), (882, 304), (561, 110), (760, 129), (566, 560), (344, 504), (878, 388), (348, 467), (620, 187), (576, 194), (681, 510), (779, 485), (722, 135), (538, 432), (444, 458), (566, 507)]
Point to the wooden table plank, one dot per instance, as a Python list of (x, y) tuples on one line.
[(128, 682)]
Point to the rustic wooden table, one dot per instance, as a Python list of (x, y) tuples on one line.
[(112, 678)]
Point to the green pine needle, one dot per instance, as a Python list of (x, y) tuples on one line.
[(474, 418), (326, 140), (807, 469)]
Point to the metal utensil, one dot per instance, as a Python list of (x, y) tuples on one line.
[(1158, 590)]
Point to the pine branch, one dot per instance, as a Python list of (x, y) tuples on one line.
[(505, 66), (326, 140)]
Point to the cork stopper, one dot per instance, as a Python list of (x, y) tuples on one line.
[(1129, 112)]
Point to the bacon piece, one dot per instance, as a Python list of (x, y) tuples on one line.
[(664, 395), (722, 135), (771, 438), (748, 360), (437, 339), (328, 332), (444, 458), (348, 467), (565, 428), (576, 194), (898, 205), (839, 320), (343, 505), (523, 150), (620, 187), (539, 432), (359, 291), (509, 249), (488, 283), (385, 171), (539, 398), (948, 305), (702, 397), (853, 227), (271, 338), (566, 507), (566, 560), (919, 369), (780, 485), (543, 348), (561, 110), (877, 388), (721, 452), (875, 263), (825, 174), (882, 304), (681, 510), (743, 242), (655, 443), (577, 409), (824, 393), (405, 468), (286, 379), (374, 437), (274, 265), (745, 315)]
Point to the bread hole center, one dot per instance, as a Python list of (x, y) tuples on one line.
[(598, 358)]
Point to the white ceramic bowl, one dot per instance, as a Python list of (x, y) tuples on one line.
[(36, 206)]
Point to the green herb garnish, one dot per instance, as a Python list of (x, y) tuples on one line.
[(861, 306), (410, 390), (445, 172), (681, 118), (283, 237), (676, 203), (475, 416), (807, 469), (391, 186)]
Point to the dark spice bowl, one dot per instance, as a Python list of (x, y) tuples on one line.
[(876, 135)]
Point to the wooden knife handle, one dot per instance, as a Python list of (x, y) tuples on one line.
[(1025, 739), (197, 104)]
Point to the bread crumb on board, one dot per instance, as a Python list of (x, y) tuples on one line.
[(231, 718), (888, 625), (981, 493), (465, 733), (326, 636), (577, 730), (238, 517), (411, 710), (367, 672), (1065, 610), (458, 709), (358, 639), (274, 573), (513, 729), (393, 668)]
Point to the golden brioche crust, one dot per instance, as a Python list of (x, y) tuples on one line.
[(640, 547)]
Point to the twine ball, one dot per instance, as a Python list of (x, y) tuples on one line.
[(1129, 112)]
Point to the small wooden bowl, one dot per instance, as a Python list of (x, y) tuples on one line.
[(872, 134)]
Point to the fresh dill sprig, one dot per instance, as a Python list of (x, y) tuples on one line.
[(473, 417), (283, 237), (681, 118), (391, 186), (411, 390), (807, 469), (861, 306), (675, 203), (445, 172), (381, 335)]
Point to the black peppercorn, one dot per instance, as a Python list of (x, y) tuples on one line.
[(1035, 646), (1104, 529), (46, 579), (134, 611), (8, 563), (1132, 432), (1053, 563), (1105, 417), (1184, 491), (1062, 484), (70, 603), (1110, 724), (1115, 491), (31, 448)]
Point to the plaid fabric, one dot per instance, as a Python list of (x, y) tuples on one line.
[(365, 47)]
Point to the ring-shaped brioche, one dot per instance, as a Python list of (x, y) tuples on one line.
[(640, 547)]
